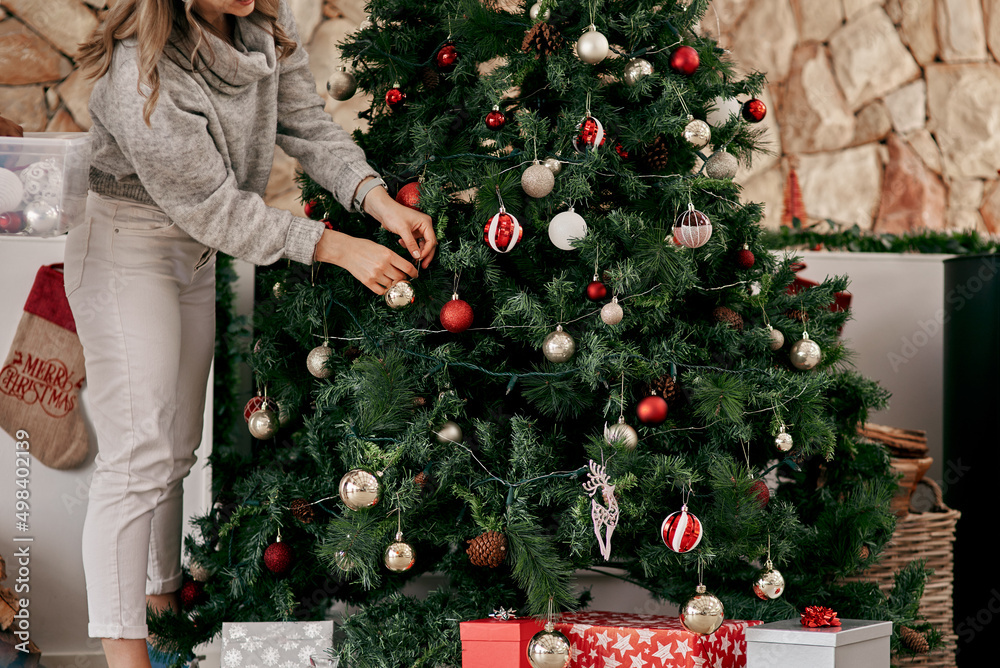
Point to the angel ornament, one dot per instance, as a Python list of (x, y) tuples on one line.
[(605, 516)]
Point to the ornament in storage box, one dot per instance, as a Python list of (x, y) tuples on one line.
[(612, 639), (274, 644), (43, 182), (854, 644), (495, 643)]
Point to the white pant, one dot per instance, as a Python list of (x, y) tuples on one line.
[(143, 295)]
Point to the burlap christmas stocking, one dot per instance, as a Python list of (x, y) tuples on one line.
[(41, 378)]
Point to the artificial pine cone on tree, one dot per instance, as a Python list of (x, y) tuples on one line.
[(665, 386), (488, 549), (430, 78), (543, 39), (654, 158), (913, 640), (302, 510), (728, 316)]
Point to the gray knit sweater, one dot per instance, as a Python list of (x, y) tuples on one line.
[(207, 157)]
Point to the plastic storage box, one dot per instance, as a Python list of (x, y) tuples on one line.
[(43, 182)]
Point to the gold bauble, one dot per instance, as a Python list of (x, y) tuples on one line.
[(558, 346), (316, 362), (341, 85), (612, 313), (549, 649), (449, 432), (783, 441), (592, 47), (697, 133), (553, 165), (620, 432), (263, 424), (703, 613), (400, 555), (360, 489), (721, 165), (805, 354), (770, 583), (400, 295), (537, 180), (636, 69), (777, 338)]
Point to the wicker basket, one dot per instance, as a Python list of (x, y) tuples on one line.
[(927, 536)]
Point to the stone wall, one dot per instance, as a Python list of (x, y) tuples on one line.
[(889, 112)]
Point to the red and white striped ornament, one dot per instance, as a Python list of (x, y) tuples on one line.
[(590, 135), (681, 531), (502, 232), (692, 228)]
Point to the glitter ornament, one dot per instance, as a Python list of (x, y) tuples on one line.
[(400, 555), (636, 69), (446, 57), (754, 110), (495, 119), (409, 195), (805, 353), (760, 491), (360, 489), (745, 258), (558, 346), (502, 232), (317, 361), (692, 228), (192, 593), (592, 47), (400, 295), (721, 164), (604, 517), (681, 531), (549, 649), (263, 424), (536, 13), (456, 315), (590, 135), (703, 613), (565, 228), (341, 85), (449, 432), (622, 433), (199, 572), (278, 557), (783, 441), (278, 290), (777, 338), (537, 180), (596, 291), (652, 410), (770, 583), (684, 60), (11, 190), (394, 98), (553, 165), (612, 313), (697, 133)]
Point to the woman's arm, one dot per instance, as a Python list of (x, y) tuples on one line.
[(9, 128)]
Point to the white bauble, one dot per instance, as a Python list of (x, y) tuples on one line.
[(567, 227)]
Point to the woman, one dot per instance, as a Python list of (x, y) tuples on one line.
[(191, 97)]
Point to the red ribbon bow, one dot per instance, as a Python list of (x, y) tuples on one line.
[(816, 616)]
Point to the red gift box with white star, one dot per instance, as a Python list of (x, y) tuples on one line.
[(622, 640)]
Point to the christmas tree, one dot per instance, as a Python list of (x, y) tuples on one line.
[(601, 340)]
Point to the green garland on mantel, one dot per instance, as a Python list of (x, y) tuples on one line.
[(829, 235)]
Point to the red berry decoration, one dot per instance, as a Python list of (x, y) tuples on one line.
[(652, 410), (596, 291), (590, 135), (456, 315), (506, 232), (620, 150), (684, 60), (760, 490), (395, 98), (744, 258), (681, 531), (11, 222), (409, 195), (192, 593), (754, 110), (314, 210), (495, 119), (278, 557), (447, 57)]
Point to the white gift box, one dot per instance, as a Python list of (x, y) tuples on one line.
[(857, 643), (275, 644)]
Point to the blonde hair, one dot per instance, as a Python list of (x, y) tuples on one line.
[(152, 22)]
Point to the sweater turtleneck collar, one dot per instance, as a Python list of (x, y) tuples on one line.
[(227, 68)]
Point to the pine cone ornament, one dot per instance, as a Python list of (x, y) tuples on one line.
[(865, 553), (543, 39), (302, 510), (654, 158), (913, 640), (728, 316), (422, 479), (352, 353), (797, 314), (430, 78), (666, 387), (487, 549)]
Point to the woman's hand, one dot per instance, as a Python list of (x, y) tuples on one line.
[(9, 128), (415, 229), (376, 266)]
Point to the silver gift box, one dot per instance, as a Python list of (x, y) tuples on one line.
[(275, 644), (857, 643)]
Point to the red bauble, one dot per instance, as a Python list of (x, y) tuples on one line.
[(314, 210), (447, 57), (596, 291), (192, 593), (495, 119), (760, 490), (409, 195), (278, 557), (754, 110), (744, 258), (456, 315), (684, 60), (11, 222), (652, 410), (506, 226), (395, 98), (681, 531)]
